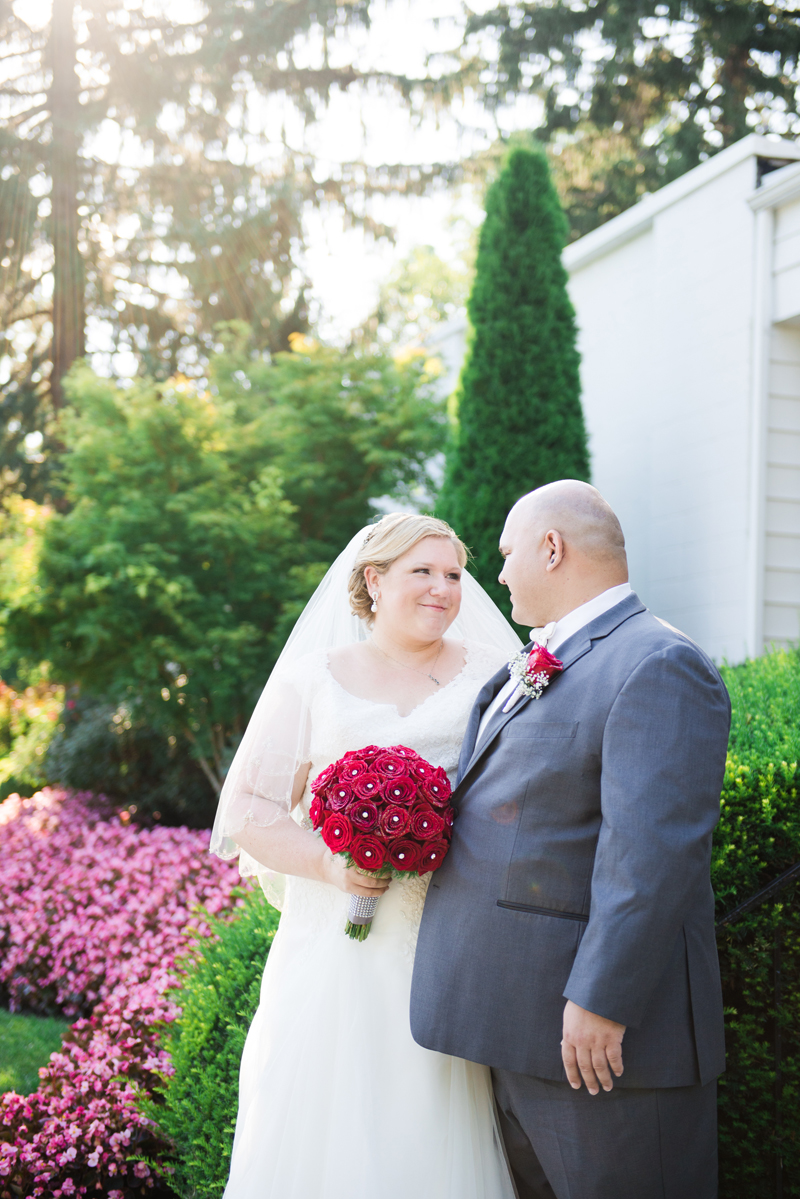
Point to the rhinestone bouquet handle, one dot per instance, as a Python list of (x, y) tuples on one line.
[(360, 915)]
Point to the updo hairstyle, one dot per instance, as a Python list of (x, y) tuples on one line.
[(388, 540)]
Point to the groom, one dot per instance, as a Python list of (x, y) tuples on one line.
[(568, 939)]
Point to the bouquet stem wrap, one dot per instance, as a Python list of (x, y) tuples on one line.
[(359, 917)]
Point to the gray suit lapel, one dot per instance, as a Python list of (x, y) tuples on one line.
[(482, 701), (573, 649)]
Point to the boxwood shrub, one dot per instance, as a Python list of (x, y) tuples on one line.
[(758, 838), (219, 996)]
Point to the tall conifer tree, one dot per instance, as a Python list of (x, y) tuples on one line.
[(520, 422)]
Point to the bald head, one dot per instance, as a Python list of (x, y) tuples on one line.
[(562, 546), (580, 514)]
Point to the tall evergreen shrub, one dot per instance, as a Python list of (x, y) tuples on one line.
[(520, 422)]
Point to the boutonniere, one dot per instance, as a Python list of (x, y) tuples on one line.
[(533, 669)]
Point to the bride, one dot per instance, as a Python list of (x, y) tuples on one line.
[(336, 1100)]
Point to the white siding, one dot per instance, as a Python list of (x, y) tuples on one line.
[(786, 262), (665, 336), (782, 522)]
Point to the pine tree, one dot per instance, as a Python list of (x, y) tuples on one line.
[(667, 84), (520, 422)]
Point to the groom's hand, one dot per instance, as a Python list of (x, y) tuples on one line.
[(591, 1048)]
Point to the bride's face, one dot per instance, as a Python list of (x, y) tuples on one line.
[(420, 593)]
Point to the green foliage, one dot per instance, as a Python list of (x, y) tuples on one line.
[(665, 84), (422, 291), (758, 837), (199, 522), (218, 999), (28, 721), (29, 702), (114, 751), (26, 1043), (598, 173), (519, 415)]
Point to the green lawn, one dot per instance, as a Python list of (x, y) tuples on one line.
[(26, 1043)]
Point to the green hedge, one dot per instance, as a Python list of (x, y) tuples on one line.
[(197, 1111), (758, 837)]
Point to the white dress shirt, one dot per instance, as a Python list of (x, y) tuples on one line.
[(552, 636)]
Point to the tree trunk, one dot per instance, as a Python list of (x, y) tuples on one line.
[(68, 290)]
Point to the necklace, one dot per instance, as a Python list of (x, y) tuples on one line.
[(426, 673)]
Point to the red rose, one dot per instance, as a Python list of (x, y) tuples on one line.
[(448, 818), (339, 796), (323, 778), (541, 661), (337, 832), (352, 770), (364, 815), (437, 789), (317, 811), (402, 790), (390, 765), (403, 751), (394, 821), (368, 785), (421, 770), (367, 852), (433, 855), (425, 823), (404, 855)]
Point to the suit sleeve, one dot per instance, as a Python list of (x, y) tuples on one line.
[(663, 763)]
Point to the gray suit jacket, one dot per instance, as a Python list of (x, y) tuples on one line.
[(579, 866)]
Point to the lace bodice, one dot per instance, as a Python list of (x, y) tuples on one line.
[(341, 721)]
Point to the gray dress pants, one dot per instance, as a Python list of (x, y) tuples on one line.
[(622, 1144)]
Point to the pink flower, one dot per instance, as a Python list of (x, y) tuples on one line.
[(93, 914)]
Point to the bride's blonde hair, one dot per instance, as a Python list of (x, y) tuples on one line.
[(388, 540)]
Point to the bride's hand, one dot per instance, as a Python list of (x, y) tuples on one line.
[(349, 879)]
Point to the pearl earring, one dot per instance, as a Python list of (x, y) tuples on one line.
[(374, 607)]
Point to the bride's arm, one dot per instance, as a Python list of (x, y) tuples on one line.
[(287, 848)]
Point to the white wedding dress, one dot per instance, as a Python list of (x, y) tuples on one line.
[(336, 1099)]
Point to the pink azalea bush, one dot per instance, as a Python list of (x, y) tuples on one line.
[(93, 914)]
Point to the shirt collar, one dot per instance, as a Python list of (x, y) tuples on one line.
[(556, 634)]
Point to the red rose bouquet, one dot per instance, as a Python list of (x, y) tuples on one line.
[(388, 812)]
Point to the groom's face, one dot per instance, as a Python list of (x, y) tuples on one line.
[(524, 572)]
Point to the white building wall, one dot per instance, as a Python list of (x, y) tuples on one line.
[(665, 338)]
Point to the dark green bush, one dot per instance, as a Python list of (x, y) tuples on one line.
[(109, 750), (219, 998), (758, 837)]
